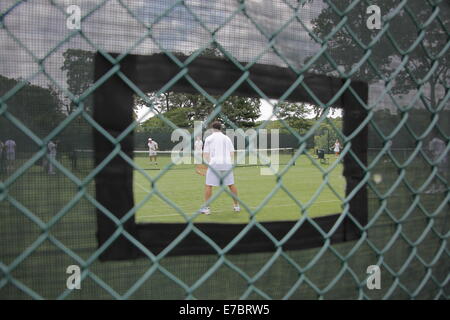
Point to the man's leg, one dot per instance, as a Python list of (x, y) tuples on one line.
[(208, 192), (233, 189), (50, 165), (9, 163)]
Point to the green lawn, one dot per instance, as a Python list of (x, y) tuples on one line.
[(184, 189)]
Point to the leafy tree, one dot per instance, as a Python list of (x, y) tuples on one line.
[(242, 111), (179, 116), (79, 67), (36, 107), (183, 109), (295, 114)]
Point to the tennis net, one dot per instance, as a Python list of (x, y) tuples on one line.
[(184, 159)]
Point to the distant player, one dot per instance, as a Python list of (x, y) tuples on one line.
[(51, 148), (10, 146), (152, 147), (1, 157), (198, 150), (436, 148), (218, 152), (337, 148)]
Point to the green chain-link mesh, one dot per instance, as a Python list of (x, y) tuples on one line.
[(406, 63)]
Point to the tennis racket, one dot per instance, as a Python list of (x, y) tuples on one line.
[(201, 169)]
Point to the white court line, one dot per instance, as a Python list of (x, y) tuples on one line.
[(142, 187)]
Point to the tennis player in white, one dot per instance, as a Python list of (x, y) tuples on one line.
[(152, 147), (437, 148), (337, 148), (51, 146), (218, 152), (1, 156), (10, 146)]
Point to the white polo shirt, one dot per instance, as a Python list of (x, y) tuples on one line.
[(51, 148), (219, 147), (152, 145), (437, 147), (10, 146)]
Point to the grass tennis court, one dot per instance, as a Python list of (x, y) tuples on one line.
[(184, 187)]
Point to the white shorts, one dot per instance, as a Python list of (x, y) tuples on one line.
[(212, 178), (10, 156), (152, 153)]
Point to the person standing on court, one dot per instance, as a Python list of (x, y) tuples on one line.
[(51, 146), (337, 148), (218, 151), (436, 148), (1, 156), (10, 146), (152, 147)]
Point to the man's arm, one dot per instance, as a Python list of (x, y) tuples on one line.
[(206, 156), (231, 146)]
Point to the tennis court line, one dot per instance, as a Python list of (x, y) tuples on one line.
[(141, 187)]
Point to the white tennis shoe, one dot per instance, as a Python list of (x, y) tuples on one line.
[(236, 209), (205, 210)]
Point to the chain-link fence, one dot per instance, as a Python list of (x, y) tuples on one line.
[(72, 74)]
